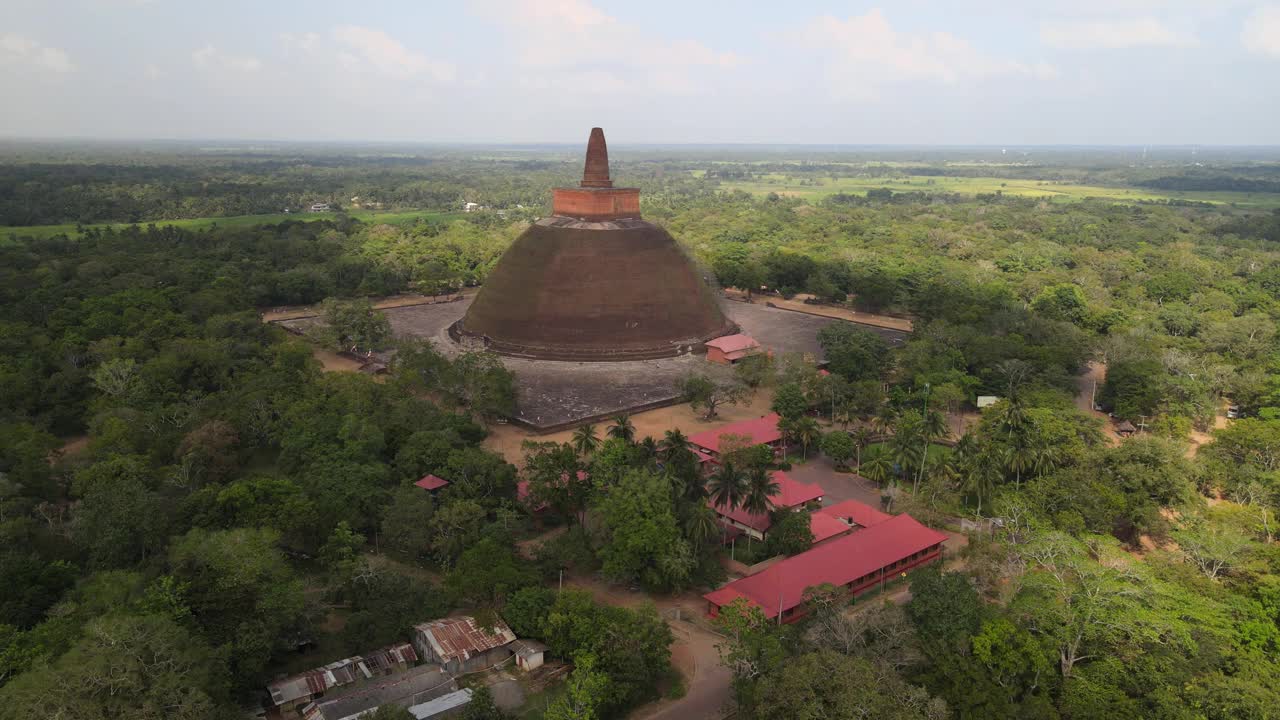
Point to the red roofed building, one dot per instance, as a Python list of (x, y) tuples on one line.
[(856, 562), (758, 431), (825, 527), (431, 483), (791, 495), (855, 514), (729, 349)]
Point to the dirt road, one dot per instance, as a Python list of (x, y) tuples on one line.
[(693, 653), (798, 305), (707, 686)]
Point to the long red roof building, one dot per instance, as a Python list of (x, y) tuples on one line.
[(855, 562), (759, 431)]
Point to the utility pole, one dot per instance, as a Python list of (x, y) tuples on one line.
[(924, 436)]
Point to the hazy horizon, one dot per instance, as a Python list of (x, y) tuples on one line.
[(1119, 73)]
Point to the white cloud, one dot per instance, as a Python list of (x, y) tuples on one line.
[(1261, 32), (18, 50), (573, 45), (864, 53), (376, 49), (1110, 34), (211, 58)]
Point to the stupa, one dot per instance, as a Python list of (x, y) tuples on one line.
[(594, 282)]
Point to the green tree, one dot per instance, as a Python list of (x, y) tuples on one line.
[(585, 687), (704, 393), (242, 594), (789, 401), (487, 573), (643, 539), (854, 353), (407, 526), (353, 324), (839, 446), (144, 667), (789, 533)]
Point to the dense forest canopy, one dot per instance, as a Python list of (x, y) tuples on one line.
[(230, 497)]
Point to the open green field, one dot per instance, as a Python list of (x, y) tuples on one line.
[(816, 188), (391, 218)]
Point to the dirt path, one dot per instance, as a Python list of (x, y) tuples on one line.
[(706, 681), (693, 653), (798, 305), (1088, 384), (395, 301), (506, 439)]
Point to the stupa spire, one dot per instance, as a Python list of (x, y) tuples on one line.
[(596, 172)]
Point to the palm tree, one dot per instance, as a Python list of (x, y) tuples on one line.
[(585, 440), (1019, 458), (878, 468), (760, 489), (1044, 458), (650, 447), (884, 419), (933, 425), (700, 525), (980, 474), (807, 431), (727, 487), (861, 438), (908, 433), (622, 428), (673, 447)]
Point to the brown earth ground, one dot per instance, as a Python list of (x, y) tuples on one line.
[(798, 304)]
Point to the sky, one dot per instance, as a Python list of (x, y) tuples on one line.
[(987, 72)]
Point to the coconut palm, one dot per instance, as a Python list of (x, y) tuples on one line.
[(585, 440), (650, 447), (674, 447), (700, 525), (806, 432), (1019, 458), (885, 419), (727, 487), (932, 426), (878, 468), (980, 475), (760, 490), (906, 443), (622, 428), (861, 438)]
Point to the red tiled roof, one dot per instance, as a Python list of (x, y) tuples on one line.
[(791, 493), (431, 482), (825, 527), (855, 512), (733, 343), (761, 430), (841, 561)]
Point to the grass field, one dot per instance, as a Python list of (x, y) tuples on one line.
[(391, 218), (816, 188)]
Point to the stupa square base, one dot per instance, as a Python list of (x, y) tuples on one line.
[(552, 395)]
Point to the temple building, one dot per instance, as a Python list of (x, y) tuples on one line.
[(594, 282)]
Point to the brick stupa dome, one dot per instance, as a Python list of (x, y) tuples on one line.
[(594, 282)]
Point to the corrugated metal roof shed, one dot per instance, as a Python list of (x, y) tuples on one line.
[(461, 637)]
